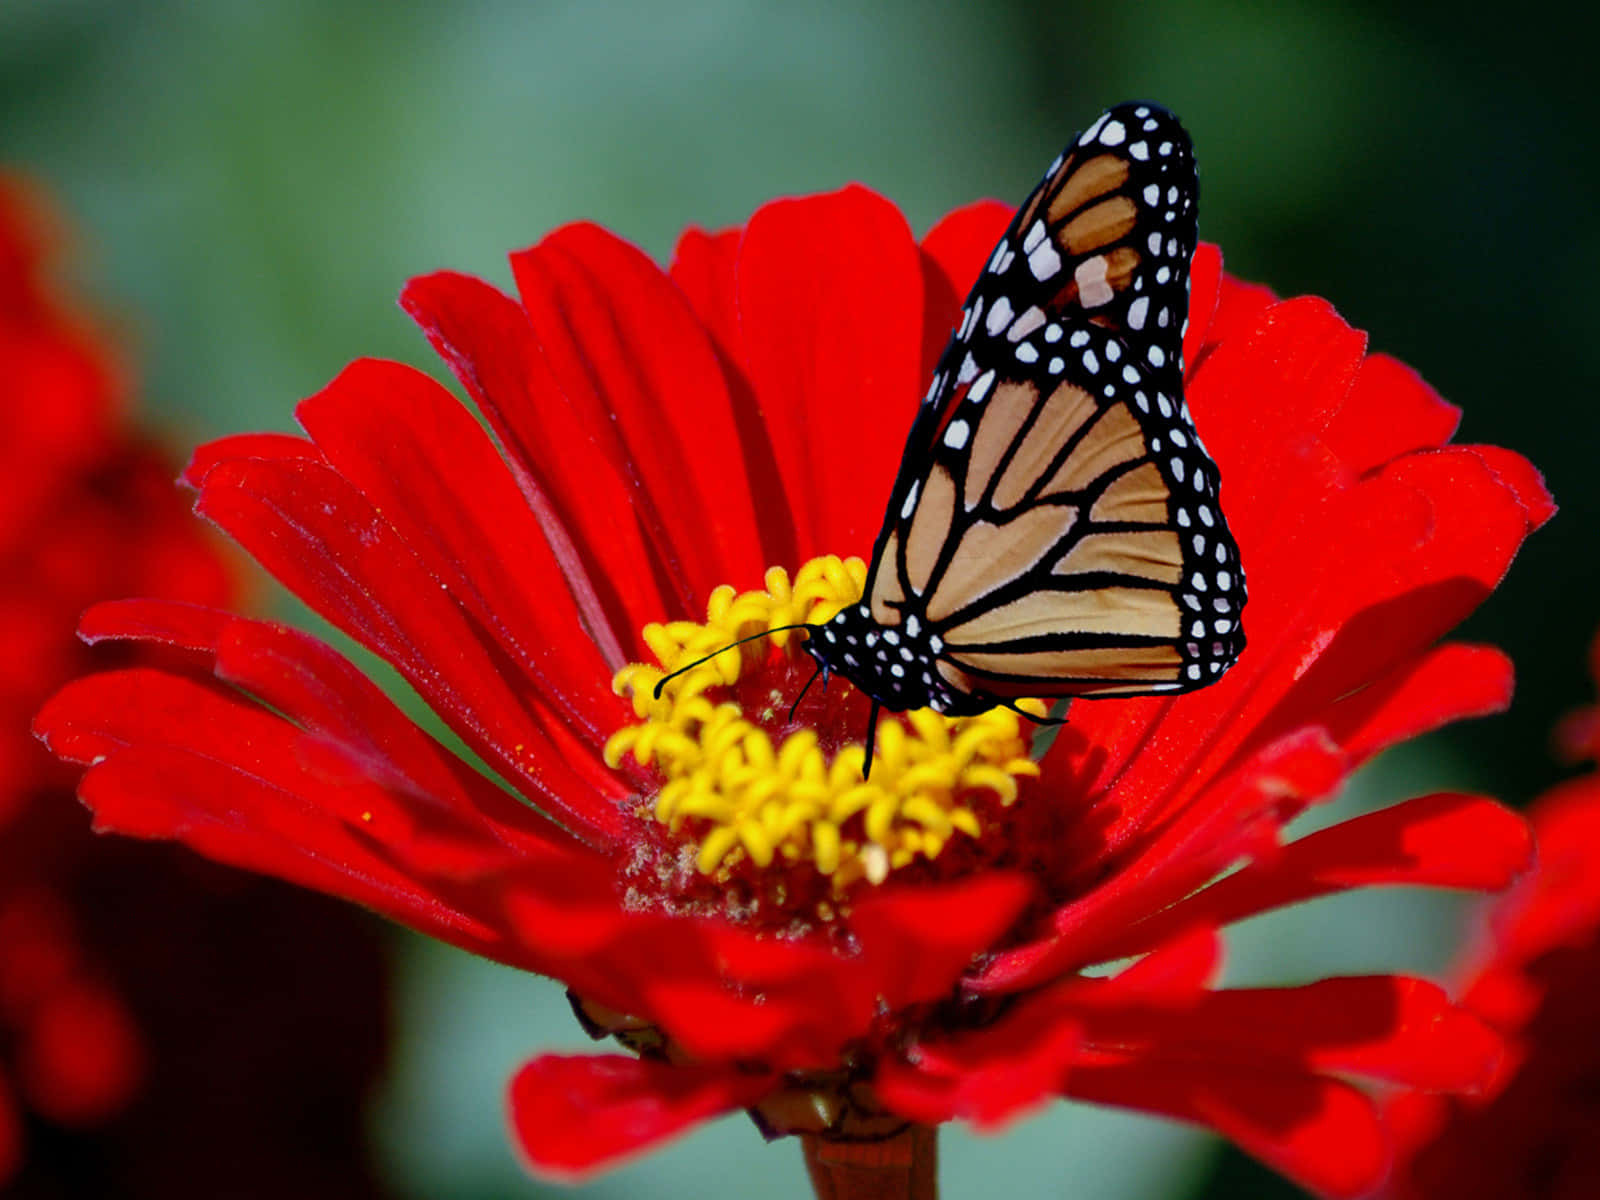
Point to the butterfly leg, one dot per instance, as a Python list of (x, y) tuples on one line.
[(872, 736), (1061, 720)]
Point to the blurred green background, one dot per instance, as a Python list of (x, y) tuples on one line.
[(254, 182)]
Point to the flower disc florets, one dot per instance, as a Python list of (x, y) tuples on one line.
[(765, 794)]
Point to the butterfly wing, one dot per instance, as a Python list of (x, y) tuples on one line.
[(1055, 525)]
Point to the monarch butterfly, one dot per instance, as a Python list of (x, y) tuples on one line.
[(1054, 528)]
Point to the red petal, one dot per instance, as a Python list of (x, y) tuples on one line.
[(993, 1073), (830, 301), (960, 243), (245, 445), (725, 993), (987, 1079), (1205, 286), (635, 365), (918, 940), (1559, 904), (1381, 1027), (164, 622), (174, 759), (1389, 412), (1224, 825), (485, 337), (1239, 309), (703, 267), (1350, 576), (953, 253), (308, 526), (80, 1058), (571, 1115), (323, 693), (429, 468), (1319, 1132), (1446, 684), (1445, 840)]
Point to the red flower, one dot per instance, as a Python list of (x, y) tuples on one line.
[(1536, 978), (721, 890), (121, 1001)]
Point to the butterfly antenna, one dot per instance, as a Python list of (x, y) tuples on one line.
[(821, 670), (872, 736), (754, 637)]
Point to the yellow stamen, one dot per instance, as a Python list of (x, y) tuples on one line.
[(744, 799)]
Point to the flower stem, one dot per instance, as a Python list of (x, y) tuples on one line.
[(903, 1167)]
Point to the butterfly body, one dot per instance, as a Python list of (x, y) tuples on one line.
[(1054, 529)]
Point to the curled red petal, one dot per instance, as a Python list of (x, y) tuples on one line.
[(571, 1115), (1382, 1027), (162, 622), (1448, 683), (1320, 1132), (245, 445), (1444, 840)]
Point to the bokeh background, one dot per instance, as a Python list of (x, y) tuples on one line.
[(254, 182)]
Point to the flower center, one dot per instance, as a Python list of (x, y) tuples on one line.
[(754, 789)]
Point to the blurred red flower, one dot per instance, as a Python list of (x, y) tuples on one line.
[(126, 980), (1534, 976), (718, 886)]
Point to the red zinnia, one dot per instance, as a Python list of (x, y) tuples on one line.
[(720, 889), (124, 989), (1535, 977)]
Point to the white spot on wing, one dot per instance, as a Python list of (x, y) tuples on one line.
[(956, 434), (999, 316), (1030, 320), (1043, 261), (1090, 276), (910, 504), (980, 388)]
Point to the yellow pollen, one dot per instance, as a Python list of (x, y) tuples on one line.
[(744, 799)]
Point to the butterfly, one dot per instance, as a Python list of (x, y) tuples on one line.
[(1054, 529)]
